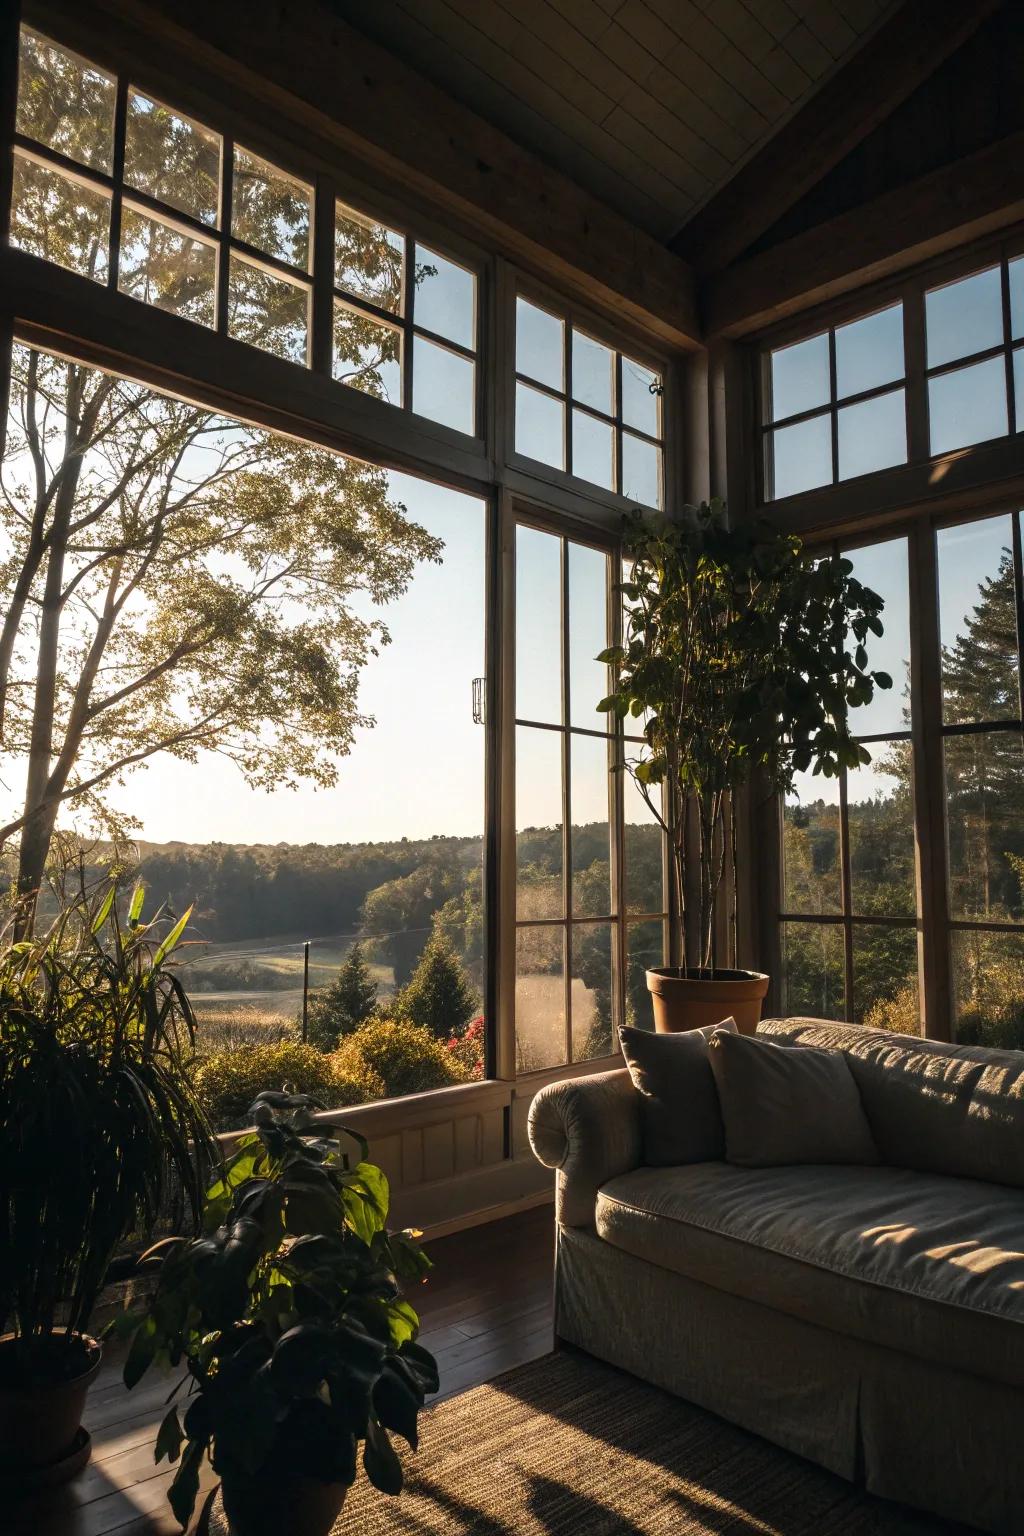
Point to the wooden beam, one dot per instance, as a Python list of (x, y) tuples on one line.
[(978, 195), (310, 72), (882, 74)]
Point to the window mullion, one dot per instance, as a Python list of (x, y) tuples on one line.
[(322, 318), (117, 174), (227, 172), (847, 891), (566, 807)]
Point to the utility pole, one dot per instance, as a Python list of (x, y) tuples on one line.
[(305, 988)]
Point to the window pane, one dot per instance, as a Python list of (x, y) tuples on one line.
[(588, 635), (967, 406), (641, 470), (1017, 297), (540, 426), (160, 265), (369, 259), (644, 841), (641, 398), (540, 345), (60, 219), (964, 317), (443, 386), (65, 102), (593, 373), (445, 298), (884, 568), (869, 352), (872, 435), (172, 158), (593, 451), (988, 986), (267, 311), (881, 822), (1018, 389), (645, 950), (885, 978), (801, 457), (591, 995), (810, 847), (977, 622), (538, 626), (589, 791), (540, 998), (270, 209), (985, 826), (800, 378), (813, 970), (367, 353), (538, 824)]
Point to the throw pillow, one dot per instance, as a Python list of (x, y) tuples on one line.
[(679, 1111)]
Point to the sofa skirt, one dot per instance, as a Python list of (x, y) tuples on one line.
[(904, 1428)]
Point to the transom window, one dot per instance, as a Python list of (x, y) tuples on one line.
[(975, 340)]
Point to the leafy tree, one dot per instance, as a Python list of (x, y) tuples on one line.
[(340, 1008), (439, 996), (398, 916)]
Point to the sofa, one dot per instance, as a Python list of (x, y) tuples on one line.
[(870, 1318)]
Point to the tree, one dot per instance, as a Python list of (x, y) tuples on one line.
[(340, 1008), (398, 915), (439, 997)]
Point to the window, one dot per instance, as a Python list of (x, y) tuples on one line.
[(975, 363), (587, 409), (590, 905)]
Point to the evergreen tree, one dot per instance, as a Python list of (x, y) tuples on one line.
[(439, 996), (340, 1008)]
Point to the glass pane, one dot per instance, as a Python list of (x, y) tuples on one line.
[(367, 353), (869, 352), (967, 406), (978, 622), (884, 568), (270, 209), (872, 435), (540, 998), (60, 219), (589, 791), (540, 426), (538, 824), (445, 298), (540, 345), (985, 826), (591, 994), (800, 378), (588, 635), (160, 265), (885, 978), (268, 311), (801, 457), (593, 450), (964, 317), (810, 847), (65, 102), (813, 970), (645, 950), (593, 373), (881, 822), (443, 386), (644, 841), (641, 470), (369, 259), (1017, 297), (641, 398), (988, 987), (1018, 389), (172, 158), (538, 626)]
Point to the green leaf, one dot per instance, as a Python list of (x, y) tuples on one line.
[(184, 1490), (172, 938), (140, 1356), (882, 679), (135, 909), (104, 911), (383, 1467), (169, 1438)]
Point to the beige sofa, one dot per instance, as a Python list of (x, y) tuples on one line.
[(870, 1318)]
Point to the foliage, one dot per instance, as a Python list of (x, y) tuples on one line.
[(737, 659), (339, 1009), (100, 1126), (225, 1079), (398, 915), (406, 1057), (900, 1012), (289, 1316), (468, 1049), (439, 996), (238, 1027)]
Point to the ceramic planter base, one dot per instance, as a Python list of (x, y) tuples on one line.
[(696, 999)]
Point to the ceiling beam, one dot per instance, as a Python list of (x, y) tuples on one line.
[(890, 66)]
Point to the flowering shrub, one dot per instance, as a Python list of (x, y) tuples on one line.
[(468, 1048)]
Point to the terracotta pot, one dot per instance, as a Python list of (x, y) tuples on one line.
[(694, 999), (271, 1503), (41, 1435)]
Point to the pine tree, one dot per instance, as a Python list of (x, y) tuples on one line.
[(348, 1002), (439, 996)]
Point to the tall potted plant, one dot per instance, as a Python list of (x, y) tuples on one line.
[(742, 654), (100, 1133)]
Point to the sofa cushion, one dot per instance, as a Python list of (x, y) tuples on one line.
[(786, 1106), (932, 1266), (679, 1111), (939, 1108)]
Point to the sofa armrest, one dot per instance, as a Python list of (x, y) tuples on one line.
[(588, 1128)]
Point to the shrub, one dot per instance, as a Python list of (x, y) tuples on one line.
[(404, 1056), (440, 996), (901, 1013), (228, 1081), (468, 1049)]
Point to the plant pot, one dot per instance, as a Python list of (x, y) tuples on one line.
[(41, 1404), (690, 999), (271, 1503)]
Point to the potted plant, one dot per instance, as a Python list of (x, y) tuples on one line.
[(100, 1134), (742, 654), (288, 1315)]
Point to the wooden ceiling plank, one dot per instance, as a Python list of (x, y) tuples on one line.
[(698, 114), (640, 139), (779, 17), (706, 85), (647, 106), (881, 75), (811, 54), (829, 25), (698, 33)]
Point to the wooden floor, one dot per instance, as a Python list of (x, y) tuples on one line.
[(485, 1308)]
